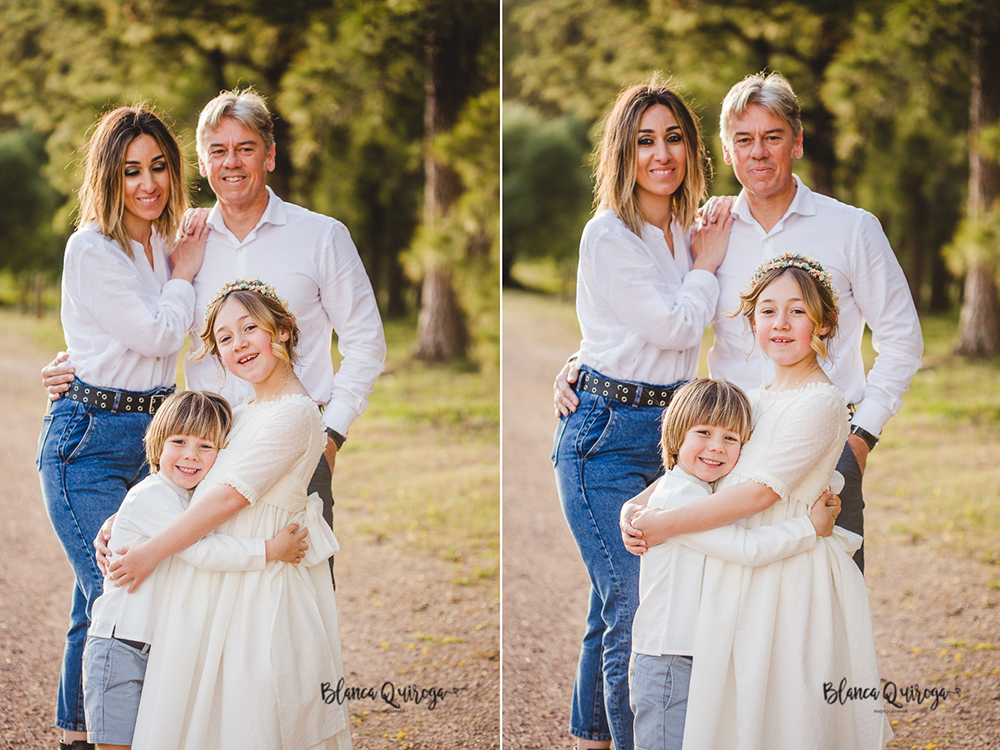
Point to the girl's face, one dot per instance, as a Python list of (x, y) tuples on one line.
[(661, 159), (709, 452), (782, 325), (245, 346), (145, 185)]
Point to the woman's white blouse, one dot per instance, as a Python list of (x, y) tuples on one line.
[(124, 321), (642, 310)]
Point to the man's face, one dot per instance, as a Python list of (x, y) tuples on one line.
[(762, 150), (236, 163)]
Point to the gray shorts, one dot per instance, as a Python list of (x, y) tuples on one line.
[(113, 672), (658, 693)]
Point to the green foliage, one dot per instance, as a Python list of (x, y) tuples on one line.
[(27, 238), (547, 190), (976, 243)]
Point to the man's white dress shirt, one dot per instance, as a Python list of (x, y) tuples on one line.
[(312, 262), (851, 245)]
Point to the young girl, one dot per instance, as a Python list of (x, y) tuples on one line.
[(703, 428), (181, 446), (125, 312), (644, 298), (771, 638), (239, 659)]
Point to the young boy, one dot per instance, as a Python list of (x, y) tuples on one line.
[(704, 429), (181, 445)]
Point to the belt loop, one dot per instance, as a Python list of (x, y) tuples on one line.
[(114, 406)]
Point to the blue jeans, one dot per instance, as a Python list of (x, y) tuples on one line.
[(658, 686), (87, 461), (605, 453)]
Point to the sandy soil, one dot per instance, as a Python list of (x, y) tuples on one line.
[(403, 620), (925, 604)]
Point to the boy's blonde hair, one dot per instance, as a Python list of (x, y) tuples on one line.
[(704, 401), (205, 415)]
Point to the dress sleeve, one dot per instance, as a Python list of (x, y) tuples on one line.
[(633, 288), (803, 436), (107, 285), (222, 552), (282, 438)]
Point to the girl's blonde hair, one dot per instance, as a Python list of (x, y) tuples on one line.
[(102, 195), (703, 401), (205, 415), (615, 155), (818, 299), (266, 311)]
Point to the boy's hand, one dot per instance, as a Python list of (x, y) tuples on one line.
[(824, 513), (103, 554), (134, 565), (289, 545)]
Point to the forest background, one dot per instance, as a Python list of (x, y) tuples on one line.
[(900, 110)]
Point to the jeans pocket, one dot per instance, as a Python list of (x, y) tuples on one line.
[(74, 437), (42, 437), (599, 428)]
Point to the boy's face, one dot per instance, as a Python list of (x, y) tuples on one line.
[(709, 452), (186, 459)]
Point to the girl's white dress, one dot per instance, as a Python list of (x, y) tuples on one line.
[(247, 660), (774, 642)]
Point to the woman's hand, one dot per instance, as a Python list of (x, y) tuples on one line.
[(189, 247), (564, 396), (824, 513), (710, 235), (288, 545), (134, 566), (103, 554), (57, 375)]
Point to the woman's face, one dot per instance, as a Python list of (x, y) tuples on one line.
[(782, 325), (146, 185), (245, 346), (661, 158)]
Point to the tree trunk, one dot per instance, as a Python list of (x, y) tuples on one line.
[(979, 324), (442, 332)]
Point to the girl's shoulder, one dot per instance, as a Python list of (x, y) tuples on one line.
[(292, 407), (814, 397)]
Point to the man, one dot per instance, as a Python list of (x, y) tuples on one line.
[(310, 259), (775, 213)]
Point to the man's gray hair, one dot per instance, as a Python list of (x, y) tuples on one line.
[(772, 91), (245, 106)]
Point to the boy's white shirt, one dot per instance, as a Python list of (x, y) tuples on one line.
[(670, 574), (147, 509)]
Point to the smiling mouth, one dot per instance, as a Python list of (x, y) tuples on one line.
[(149, 201), (186, 471), (711, 462), (246, 359), (234, 178)]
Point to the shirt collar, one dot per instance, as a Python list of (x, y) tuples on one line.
[(180, 491), (804, 204), (679, 473), (274, 213)]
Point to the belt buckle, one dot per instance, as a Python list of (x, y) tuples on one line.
[(155, 402)]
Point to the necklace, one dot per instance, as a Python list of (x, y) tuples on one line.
[(794, 385)]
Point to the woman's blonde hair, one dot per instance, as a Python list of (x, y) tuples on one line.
[(266, 311), (205, 415), (102, 195), (817, 298), (703, 401), (615, 155)]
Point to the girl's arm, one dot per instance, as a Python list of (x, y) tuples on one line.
[(204, 514), (633, 538)]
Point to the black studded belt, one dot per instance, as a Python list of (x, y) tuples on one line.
[(114, 401), (632, 394)]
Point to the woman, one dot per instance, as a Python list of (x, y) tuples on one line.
[(643, 302), (125, 311)]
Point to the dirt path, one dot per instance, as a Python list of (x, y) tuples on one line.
[(404, 621), (936, 616)]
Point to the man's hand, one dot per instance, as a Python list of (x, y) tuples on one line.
[(860, 449), (331, 452), (564, 397), (57, 375), (101, 544)]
